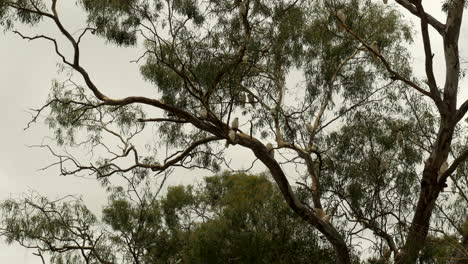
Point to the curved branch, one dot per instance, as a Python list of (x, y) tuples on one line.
[(428, 54), (408, 5)]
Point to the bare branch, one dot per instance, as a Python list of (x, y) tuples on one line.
[(49, 39), (36, 115), (84, 32), (162, 120), (428, 55)]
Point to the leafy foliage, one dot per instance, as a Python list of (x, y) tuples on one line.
[(230, 217)]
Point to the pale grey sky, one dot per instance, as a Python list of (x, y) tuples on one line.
[(26, 72)]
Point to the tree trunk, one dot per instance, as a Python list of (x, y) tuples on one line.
[(419, 227), (430, 187)]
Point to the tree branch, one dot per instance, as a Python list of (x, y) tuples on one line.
[(428, 55), (440, 27), (394, 75)]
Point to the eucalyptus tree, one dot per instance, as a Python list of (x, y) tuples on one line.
[(241, 218), (322, 90), (227, 218)]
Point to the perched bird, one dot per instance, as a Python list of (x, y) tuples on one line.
[(226, 145), (245, 59), (309, 127), (242, 9), (341, 15), (319, 212), (269, 146), (375, 47), (326, 218), (235, 123), (443, 168), (203, 113), (232, 135), (399, 137)]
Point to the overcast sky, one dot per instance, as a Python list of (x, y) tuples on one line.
[(26, 72)]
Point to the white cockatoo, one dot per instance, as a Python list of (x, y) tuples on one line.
[(443, 168), (326, 218), (399, 137), (375, 47), (341, 15), (319, 212), (245, 58), (242, 9), (203, 113), (232, 135)]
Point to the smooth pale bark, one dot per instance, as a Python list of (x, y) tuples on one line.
[(430, 187)]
